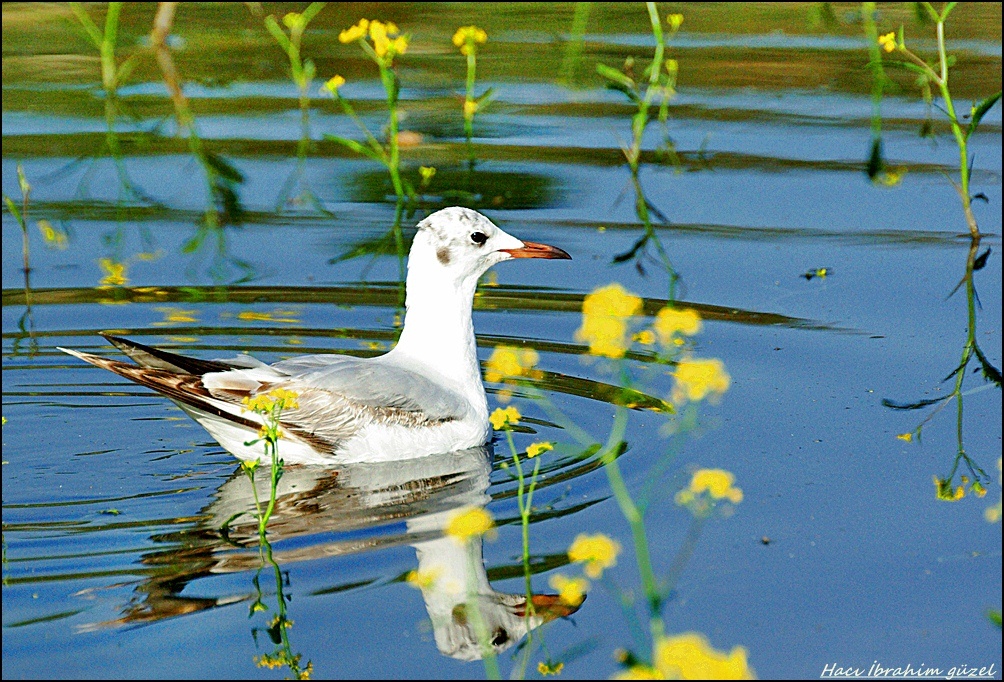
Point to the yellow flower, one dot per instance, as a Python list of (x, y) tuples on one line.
[(645, 337), (905, 436), (500, 417), (549, 668), (534, 449), (426, 173), (696, 379), (263, 403), (717, 483), (467, 37), (333, 84), (888, 41), (51, 235), (509, 361), (423, 580), (639, 672), (675, 21), (599, 552), (690, 657), (944, 490), (572, 591), (671, 321), (353, 34), (384, 42), (470, 522), (115, 273), (604, 320), (470, 108), (294, 21)]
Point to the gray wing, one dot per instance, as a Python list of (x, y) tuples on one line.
[(373, 383)]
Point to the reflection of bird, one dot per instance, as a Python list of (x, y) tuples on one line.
[(320, 513), (423, 397)]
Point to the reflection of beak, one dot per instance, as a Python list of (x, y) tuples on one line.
[(535, 250), (549, 607)]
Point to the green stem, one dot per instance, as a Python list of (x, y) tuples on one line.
[(389, 81)]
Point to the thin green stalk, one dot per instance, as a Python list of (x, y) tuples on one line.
[(473, 612)]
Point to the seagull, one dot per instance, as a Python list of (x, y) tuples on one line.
[(423, 397)]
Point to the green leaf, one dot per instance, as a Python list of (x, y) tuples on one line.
[(947, 10), (312, 11), (354, 146), (12, 207), (980, 110), (990, 372), (931, 12), (87, 23), (892, 404), (875, 161), (485, 96), (615, 75)]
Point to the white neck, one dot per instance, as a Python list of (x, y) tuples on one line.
[(438, 332)]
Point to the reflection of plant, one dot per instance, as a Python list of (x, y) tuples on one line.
[(26, 322), (938, 76), (278, 626), (467, 38), (945, 489), (643, 94), (302, 72)]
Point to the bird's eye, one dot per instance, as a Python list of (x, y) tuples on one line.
[(479, 238)]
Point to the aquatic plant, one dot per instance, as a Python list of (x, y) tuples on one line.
[(938, 76), (467, 39), (383, 43), (269, 406)]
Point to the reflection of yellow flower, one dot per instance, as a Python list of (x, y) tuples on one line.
[(646, 337), (944, 490), (471, 522), (423, 580), (570, 590), (717, 483), (467, 37), (888, 41), (500, 417), (549, 668), (598, 552), (176, 316), (604, 320), (671, 321), (905, 436), (355, 33), (534, 449), (509, 361), (690, 657), (115, 273), (993, 514), (51, 235), (696, 379)]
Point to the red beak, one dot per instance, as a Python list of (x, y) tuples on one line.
[(535, 250)]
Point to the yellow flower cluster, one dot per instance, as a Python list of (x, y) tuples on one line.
[(598, 552), (534, 449), (471, 522), (888, 41), (387, 44), (332, 85), (549, 668), (945, 491), (672, 321), (265, 403), (467, 37), (115, 273), (572, 591), (697, 379), (509, 362), (605, 313), (506, 417), (717, 483)]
